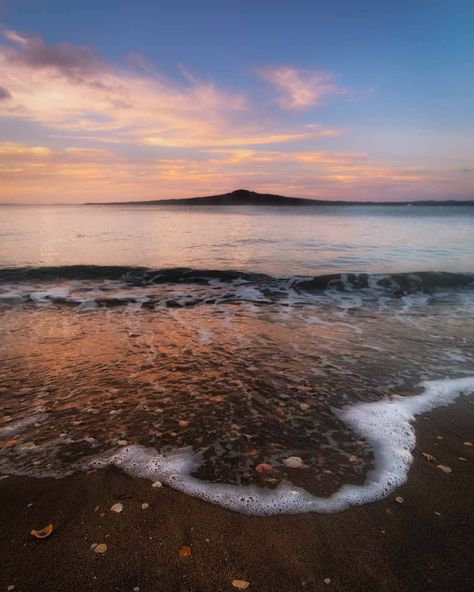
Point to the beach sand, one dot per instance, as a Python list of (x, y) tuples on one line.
[(423, 543)]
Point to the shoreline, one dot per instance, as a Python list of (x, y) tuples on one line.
[(423, 543)]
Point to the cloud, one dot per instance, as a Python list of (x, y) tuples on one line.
[(4, 94), (67, 88), (299, 88), (82, 174), (70, 60)]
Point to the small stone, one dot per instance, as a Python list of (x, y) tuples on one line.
[(185, 552), (136, 589), (304, 406), (240, 584), (10, 588), (157, 484), (327, 580), (468, 444), (93, 546), (122, 442), (461, 458), (100, 548), (117, 508), (353, 458), (183, 423), (399, 499), (3, 477), (145, 506), (428, 456), (439, 437), (264, 468), (444, 468), (437, 513), (294, 462)]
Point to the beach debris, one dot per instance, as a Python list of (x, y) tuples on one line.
[(353, 458), (399, 499), (122, 442), (42, 533), (444, 468), (439, 437), (145, 506), (2, 477), (117, 508), (437, 513), (294, 462), (240, 584), (468, 444), (93, 546), (327, 580), (461, 458), (183, 423), (264, 468), (100, 548), (185, 552), (10, 587), (304, 406), (428, 456), (157, 484)]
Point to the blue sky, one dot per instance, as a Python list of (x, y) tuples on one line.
[(389, 87)]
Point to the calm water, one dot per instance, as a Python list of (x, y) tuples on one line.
[(198, 346), (275, 241)]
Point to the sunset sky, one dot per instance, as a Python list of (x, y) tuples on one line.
[(115, 100)]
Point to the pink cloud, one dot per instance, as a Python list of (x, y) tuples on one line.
[(299, 88)]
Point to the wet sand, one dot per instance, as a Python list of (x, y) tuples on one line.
[(424, 543)]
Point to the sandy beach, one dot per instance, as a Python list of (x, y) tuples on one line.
[(422, 543)]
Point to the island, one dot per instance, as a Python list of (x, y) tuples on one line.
[(244, 197)]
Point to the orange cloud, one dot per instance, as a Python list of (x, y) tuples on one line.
[(38, 173)]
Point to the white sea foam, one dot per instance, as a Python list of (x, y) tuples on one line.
[(387, 426)]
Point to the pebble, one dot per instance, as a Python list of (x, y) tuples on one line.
[(122, 442), (240, 584), (469, 444), (136, 589), (444, 468), (10, 588), (293, 462), (327, 580), (462, 458), (145, 506), (185, 552), (93, 546), (399, 499), (264, 468), (157, 484), (117, 508), (304, 406), (100, 548)]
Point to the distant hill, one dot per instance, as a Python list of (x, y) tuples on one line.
[(244, 197)]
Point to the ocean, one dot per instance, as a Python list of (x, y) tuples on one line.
[(270, 360)]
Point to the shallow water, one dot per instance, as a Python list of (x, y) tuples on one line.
[(129, 365)]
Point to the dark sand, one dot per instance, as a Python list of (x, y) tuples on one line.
[(381, 546)]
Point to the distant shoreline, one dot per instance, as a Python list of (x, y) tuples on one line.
[(243, 197)]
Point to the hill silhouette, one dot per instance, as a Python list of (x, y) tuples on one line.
[(244, 197)]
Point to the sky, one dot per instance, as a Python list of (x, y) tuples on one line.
[(133, 100)]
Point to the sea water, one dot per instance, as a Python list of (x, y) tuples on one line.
[(193, 345)]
